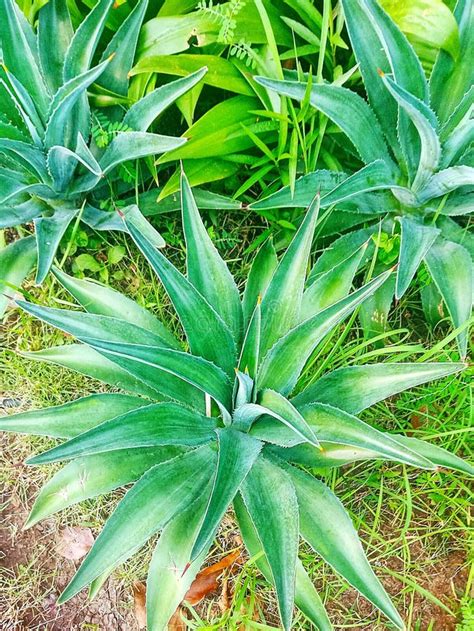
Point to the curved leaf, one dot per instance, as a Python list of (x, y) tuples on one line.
[(16, 262), (306, 597), (326, 526), (101, 299), (70, 419), (282, 301), (416, 240), (283, 364), (207, 334), (275, 518), (54, 25), (174, 374), (355, 388), (451, 268), (95, 475), (236, 455), (206, 270), (157, 425), (161, 493), (332, 425), (87, 361), (142, 113), (260, 275), (122, 46)]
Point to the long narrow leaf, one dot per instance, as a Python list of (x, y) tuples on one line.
[(206, 270), (207, 333), (356, 388), (275, 517), (160, 494), (283, 363), (70, 419), (328, 529)]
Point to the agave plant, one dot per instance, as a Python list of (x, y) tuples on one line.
[(415, 138), (49, 169), (218, 421)]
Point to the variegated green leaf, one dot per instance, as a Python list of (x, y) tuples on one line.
[(416, 240), (70, 419), (356, 388), (156, 425), (95, 475), (328, 529), (206, 270), (160, 494), (451, 268), (275, 517)]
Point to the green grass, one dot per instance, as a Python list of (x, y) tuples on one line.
[(411, 522)]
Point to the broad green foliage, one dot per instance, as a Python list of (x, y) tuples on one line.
[(259, 137), (218, 419), (51, 171), (415, 137)]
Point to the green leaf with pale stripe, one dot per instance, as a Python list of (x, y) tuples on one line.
[(157, 425), (175, 374), (62, 126), (378, 44), (20, 53), (346, 109), (437, 455), (206, 270), (90, 325), (54, 25), (426, 125), (101, 299), (331, 424), (16, 262), (85, 40), (270, 499), (122, 46), (284, 411), (452, 78), (446, 181), (73, 418), (160, 494), (281, 303), (49, 232), (89, 362), (451, 268), (236, 455), (171, 563), (355, 388), (130, 145), (306, 597), (207, 333), (95, 475), (260, 275), (416, 240), (283, 364), (328, 529), (332, 285), (250, 354), (142, 113)]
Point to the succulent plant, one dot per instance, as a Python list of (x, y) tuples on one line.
[(415, 137), (50, 166), (220, 418)]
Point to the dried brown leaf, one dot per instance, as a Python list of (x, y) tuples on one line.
[(74, 542), (177, 623), (207, 581), (139, 601)]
